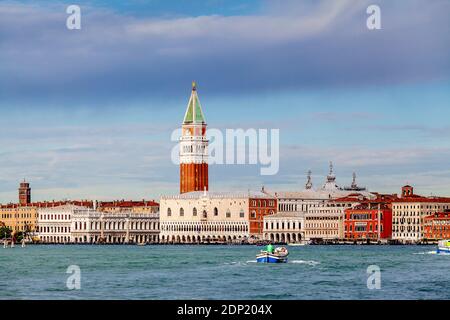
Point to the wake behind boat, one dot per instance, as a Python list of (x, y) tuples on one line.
[(271, 255), (443, 246)]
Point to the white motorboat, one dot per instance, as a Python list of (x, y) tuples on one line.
[(443, 246)]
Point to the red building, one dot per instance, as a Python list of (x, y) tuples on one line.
[(371, 220), (258, 208), (437, 226), (193, 147)]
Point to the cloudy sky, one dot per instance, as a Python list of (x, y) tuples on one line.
[(89, 113)]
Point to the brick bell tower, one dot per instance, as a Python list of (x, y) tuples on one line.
[(193, 147), (24, 193)]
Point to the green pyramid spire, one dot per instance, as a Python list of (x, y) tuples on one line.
[(194, 113)]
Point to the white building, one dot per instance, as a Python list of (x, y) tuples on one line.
[(285, 227), (408, 213), (196, 217), (324, 225), (55, 223), (76, 224), (90, 226)]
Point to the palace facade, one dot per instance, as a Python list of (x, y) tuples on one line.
[(285, 227), (91, 226), (55, 223), (214, 216), (437, 226), (324, 225), (368, 221), (409, 211), (77, 224)]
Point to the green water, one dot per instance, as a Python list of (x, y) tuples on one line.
[(222, 272)]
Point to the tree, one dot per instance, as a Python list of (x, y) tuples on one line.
[(18, 236), (5, 232)]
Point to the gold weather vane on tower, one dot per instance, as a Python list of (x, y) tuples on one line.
[(194, 85)]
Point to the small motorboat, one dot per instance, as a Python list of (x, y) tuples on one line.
[(270, 255), (296, 244), (443, 246)]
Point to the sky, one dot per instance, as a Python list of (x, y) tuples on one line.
[(89, 113)]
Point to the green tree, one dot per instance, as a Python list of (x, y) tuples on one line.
[(18, 236), (5, 232)]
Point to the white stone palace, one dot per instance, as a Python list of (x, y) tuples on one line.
[(55, 223), (76, 224), (91, 226), (196, 217), (285, 227)]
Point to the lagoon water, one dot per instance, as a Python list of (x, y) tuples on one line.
[(222, 272)]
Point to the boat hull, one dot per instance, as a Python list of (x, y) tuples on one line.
[(270, 258), (443, 250), (443, 246)]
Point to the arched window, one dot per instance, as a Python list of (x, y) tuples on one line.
[(181, 212), (194, 212), (241, 213), (228, 213), (216, 212), (205, 214), (169, 212)]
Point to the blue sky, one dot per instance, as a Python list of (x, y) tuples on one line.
[(89, 113)]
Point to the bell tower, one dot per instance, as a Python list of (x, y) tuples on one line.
[(193, 147), (24, 193)]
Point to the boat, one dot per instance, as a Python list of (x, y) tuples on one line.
[(443, 246), (279, 255), (296, 244)]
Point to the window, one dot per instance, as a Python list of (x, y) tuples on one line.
[(205, 214), (194, 212), (181, 212), (253, 214), (228, 213), (169, 212), (241, 213), (216, 212)]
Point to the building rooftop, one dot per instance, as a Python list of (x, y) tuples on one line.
[(319, 194), (194, 113), (47, 204), (220, 195), (127, 204), (285, 215), (67, 206), (421, 199)]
